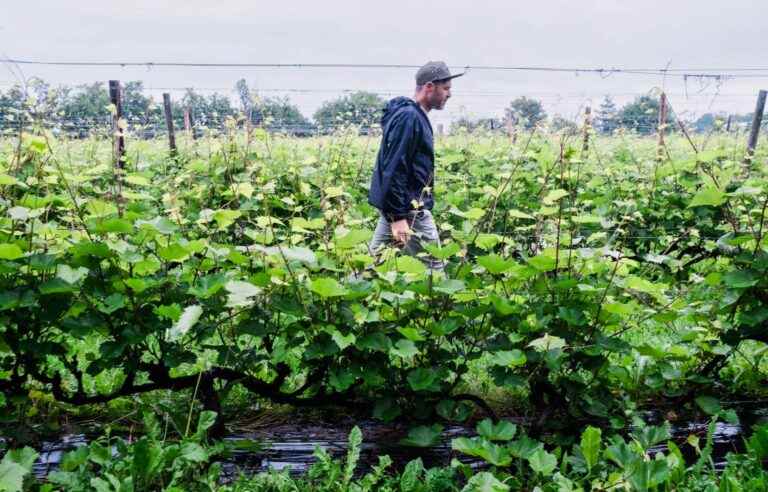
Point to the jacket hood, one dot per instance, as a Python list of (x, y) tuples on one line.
[(393, 106)]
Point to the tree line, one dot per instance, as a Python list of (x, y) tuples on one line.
[(81, 108)]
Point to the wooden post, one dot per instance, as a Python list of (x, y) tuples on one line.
[(662, 125), (757, 120), (439, 129), (192, 123), (728, 125), (118, 141), (511, 131), (587, 131), (115, 96), (169, 123), (685, 132), (187, 121)]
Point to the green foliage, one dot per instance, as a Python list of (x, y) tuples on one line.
[(642, 115), (526, 112), (582, 288), (357, 109)]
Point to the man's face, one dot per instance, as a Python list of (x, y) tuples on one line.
[(439, 95)]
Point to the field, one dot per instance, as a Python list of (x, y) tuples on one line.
[(585, 285)]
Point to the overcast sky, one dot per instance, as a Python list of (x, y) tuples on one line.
[(586, 34)]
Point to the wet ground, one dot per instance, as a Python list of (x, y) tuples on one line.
[(291, 445)]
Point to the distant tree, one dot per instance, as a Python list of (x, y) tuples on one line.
[(209, 111), (138, 108), (247, 103), (606, 118), (197, 106), (280, 114), (359, 108), (219, 108), (470, 125), (87, 105), (642, 115), (528, 112), (563, 125), (709, 121), (12, 100)]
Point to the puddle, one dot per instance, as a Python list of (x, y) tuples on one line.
[(292, 446)]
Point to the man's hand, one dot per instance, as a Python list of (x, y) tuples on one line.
[(401, 232)]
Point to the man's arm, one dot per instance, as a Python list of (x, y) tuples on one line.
[(400, 151)]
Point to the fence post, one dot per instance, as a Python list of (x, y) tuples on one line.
[(587, 128), (439, 129), (169, 123), (728, 124), (757, 120), (187, 122), (511, 131), (662, 125), (118, 141), (685, 132)]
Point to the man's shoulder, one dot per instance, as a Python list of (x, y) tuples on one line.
[(406, 111)]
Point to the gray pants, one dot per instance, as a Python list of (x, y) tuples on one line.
[(423, 230)]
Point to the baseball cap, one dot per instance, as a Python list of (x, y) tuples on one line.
[(434, 70)]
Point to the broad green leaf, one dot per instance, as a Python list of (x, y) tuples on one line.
[(386, 409), (409, 264), (114, 225), (71, 275), (174, 252), (543, 462), (241, 293), (14, 467), (508, 358), (100, 208), (18, 213), (708, 196), (547, 342), (136, 179), (494, 263), (353, 238), (554, 196), (487, 241), (443, 253), (343, 341), (709, 404), (327, 287), (411, 334), (191, 451), (590, 446), (485, 482), (423, 379), (500, 431), (517, 214), (404, 348), (298, 253), (741, 279), (10, 251), (450, 286), (482, 448), (159, 224), (188, 319), (225, 217), (646, 475), (423, 436), (543, 262), (112, 303), (6, 180)]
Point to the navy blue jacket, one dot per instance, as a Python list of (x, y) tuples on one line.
[(405, 166)]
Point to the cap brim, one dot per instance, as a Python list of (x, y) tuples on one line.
[(451, 77)]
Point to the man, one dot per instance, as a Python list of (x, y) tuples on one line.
[(402, 182)]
